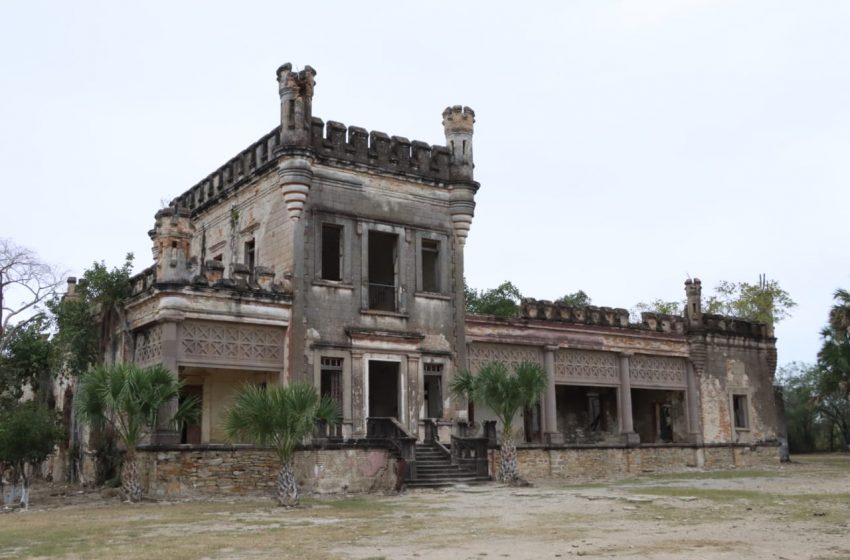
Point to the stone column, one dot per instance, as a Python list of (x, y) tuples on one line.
[(551, 413), (694, 431), (626, 419), (413, 392), (166, 433), (358, 420)]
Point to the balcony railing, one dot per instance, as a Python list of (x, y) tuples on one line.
[(382, 297)]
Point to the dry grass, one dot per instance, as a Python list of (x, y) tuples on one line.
[(802, 511)]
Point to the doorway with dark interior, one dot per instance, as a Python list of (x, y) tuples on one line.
[(383, 389)]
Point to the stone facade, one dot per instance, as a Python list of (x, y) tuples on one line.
[(216, 470), (333, 255)]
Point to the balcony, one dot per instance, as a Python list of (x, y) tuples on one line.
[(382, 297)]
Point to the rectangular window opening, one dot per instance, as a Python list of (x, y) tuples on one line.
[(739, 406), (430, 265), (433, 390), (383, 270), (250, 254), (331, 387), (331, 252)]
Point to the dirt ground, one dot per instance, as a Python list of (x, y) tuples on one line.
[(801, 510)]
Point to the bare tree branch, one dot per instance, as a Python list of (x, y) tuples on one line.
[(25, 282)]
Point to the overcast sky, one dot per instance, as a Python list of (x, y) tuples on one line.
[(620, 146)]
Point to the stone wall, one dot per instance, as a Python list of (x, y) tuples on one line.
[(222, 470), (585, 463)]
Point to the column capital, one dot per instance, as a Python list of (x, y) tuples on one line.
[(628, 354), (550, 347), (356, 354)]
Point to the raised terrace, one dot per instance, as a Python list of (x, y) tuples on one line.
[(331, 141)]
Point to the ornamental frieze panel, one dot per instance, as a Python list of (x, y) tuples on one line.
[(148, 346), (508, 354), (202, 341), (657, 371), (587, 366)]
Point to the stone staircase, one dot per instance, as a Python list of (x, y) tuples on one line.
[(434, 469)]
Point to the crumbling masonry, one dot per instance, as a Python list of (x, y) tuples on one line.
[(334, 255)]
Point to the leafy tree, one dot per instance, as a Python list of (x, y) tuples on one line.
[(806, 427), (85, 322), (833, 388), (506, 394), (26, 360), (656, 306), (575, 299), (765, 302), (28, 434), (127, 399), (279, 416), (502, 301)]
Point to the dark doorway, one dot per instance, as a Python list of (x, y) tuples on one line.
[(191, 432), (433, 390), (383, 255), (383, 389), (331, 387)]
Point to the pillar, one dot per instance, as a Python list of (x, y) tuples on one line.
[(166, 433), (626, 418), (413, 392), (358, 420), (551, 413), (694, 430)]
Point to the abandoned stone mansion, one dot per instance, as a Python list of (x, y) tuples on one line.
[(334, 255)]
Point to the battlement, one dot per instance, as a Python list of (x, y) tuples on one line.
[(457, 119), (258, 157), (393, 154), (544, 310)]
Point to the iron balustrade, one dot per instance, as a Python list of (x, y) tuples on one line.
[(382, 297)]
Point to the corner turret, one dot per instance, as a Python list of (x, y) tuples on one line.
[(458, 123), (172, 240), (693, 307), (296, 104)]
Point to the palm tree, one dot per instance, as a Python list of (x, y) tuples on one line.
[(127, 399), (279, 416), (839, 315), (505, 394)]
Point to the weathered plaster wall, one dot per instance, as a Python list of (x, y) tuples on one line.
[(194, 472), (736, 366)]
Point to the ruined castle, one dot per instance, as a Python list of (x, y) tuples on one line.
[(335, 255)]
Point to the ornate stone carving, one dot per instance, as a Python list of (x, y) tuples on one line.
[(148, 346), (233, 344), (510, 355), (660, 371), (587, 366)]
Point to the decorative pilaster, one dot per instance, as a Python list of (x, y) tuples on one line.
[(694, 429), (165, 433), (358, 418), (550, 403), (626, 418), (413, 394)]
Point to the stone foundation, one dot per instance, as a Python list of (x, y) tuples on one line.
[(589, 463), (220, 470)]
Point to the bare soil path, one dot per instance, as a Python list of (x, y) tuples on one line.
[(795, 511)]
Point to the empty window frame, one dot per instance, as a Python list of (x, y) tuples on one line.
[(433, 390), (740, 412), (429, 260), (250, 254), (331, 387), (383, 270), (331, 252)]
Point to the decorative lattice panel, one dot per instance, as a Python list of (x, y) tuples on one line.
[(214, 342), (148, 346), (657, 371), (510, 355), (587, 366)]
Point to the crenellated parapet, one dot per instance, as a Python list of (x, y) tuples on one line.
[(257, 159), (545, 310), (391, 154)]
